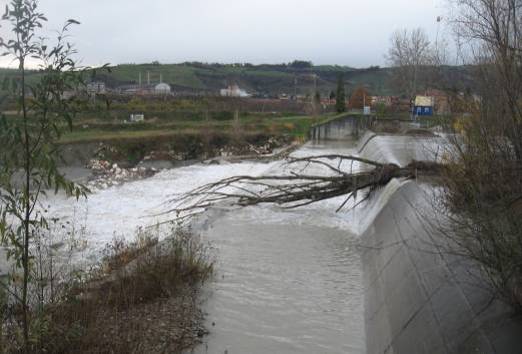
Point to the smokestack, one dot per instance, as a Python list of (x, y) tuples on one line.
[(148, 77), (139, 80)]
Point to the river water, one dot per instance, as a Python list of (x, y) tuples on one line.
[(286, 281), (291, 281)]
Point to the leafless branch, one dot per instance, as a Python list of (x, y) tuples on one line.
[(296, 189)]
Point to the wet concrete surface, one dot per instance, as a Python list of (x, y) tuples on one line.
[(420, 299)]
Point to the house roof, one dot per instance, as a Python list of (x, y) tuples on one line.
[(424, 101)]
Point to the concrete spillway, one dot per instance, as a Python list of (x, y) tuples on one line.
[(418, 297)]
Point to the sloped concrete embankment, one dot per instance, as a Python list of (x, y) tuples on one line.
[(418, 297)]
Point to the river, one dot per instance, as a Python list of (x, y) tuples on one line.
[(286, 281)]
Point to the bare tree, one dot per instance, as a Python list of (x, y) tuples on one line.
[(409, 51), (492, 33), (482, 197)]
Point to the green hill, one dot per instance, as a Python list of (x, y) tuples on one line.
[(259, 79), (262, 80)]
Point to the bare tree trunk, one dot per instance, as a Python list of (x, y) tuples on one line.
[(298, 189)]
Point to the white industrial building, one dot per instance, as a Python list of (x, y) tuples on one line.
[(162, 89), (233, 91)]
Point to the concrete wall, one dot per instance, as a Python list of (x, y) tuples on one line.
[(342, 128), (419, 299)]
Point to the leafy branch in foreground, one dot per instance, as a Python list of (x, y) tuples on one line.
[(298, 189), (29, 155)]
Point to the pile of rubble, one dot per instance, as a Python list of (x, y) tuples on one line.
[(170, 155), (106, 175)]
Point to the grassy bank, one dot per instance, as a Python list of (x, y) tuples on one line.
[(87, 129), (177, 139)]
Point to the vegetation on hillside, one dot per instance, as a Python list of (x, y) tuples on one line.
[(263, 80)]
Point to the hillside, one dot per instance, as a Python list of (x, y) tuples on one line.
[(267, 80), (262, 80)]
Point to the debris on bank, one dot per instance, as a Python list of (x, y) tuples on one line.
[(107, 175)]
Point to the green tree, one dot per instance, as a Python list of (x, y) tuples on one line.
[(29, 154), (340, 104)]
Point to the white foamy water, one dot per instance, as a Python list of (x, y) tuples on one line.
[(121, 210), (400, 150)]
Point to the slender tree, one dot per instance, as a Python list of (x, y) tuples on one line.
[(408, 53), (29, 148), (340, 104)]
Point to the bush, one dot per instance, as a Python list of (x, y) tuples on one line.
[(141, 298), (482, 192), (145, 270)]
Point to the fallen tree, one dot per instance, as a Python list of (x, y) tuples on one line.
[(298, 189)]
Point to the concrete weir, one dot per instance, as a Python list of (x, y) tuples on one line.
[(419, 298), (342, 128)]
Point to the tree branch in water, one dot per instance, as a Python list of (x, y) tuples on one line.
[(298, 189)]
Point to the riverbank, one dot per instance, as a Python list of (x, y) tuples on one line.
[(175, 149), (142, 297)]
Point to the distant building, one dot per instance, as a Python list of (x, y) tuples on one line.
[(233, 91), (96, 87), (129, 89), (387, 101), (136, 118), (162, 89), (423, 106)]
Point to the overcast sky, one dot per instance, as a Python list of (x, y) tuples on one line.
[(345, 32)]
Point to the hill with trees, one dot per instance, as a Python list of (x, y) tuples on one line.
[(265, 80)]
